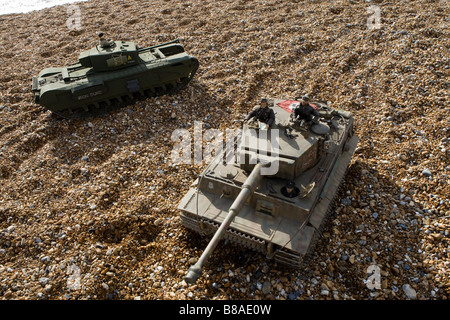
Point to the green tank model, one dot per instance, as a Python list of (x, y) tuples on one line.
[(112, 74), (276, 196)]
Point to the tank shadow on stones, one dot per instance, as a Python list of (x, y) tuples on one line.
[(281, 213), (111, 75)]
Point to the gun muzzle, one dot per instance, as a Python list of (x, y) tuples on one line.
[(193, 274)]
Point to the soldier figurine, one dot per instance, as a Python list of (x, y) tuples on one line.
[(290, 190), (262, 113), (104, 42), (304, 111)]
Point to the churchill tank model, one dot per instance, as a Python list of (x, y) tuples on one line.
[(111, 75), (273, 191)]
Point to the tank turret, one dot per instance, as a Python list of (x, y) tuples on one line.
[(109, 55), (275, 198), (112, 74)]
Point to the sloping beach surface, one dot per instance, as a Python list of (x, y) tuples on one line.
[(88, 207)]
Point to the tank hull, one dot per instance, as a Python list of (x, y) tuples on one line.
[(284, 229), (77, 91)]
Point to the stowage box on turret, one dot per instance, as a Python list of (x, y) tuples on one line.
[(275, 198), (110, 75)]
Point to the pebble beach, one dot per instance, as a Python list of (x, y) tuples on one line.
[(88, 208)]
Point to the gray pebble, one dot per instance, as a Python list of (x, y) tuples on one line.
[(426, 172), (346, 201), (409, 292), (324, 292), (43, 281), (266, 287)]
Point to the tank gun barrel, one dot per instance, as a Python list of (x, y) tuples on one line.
[(247, 189), (160, 45)]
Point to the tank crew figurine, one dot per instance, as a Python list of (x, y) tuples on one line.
[(290, 190), (304, 111), (104, 42), (262, 113)]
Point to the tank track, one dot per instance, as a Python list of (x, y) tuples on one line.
[(113, 103)]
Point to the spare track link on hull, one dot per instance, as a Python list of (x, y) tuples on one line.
[(104, 107), (204, 226)]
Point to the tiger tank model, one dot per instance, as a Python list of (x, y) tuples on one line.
[(111, 75), (275, 193)]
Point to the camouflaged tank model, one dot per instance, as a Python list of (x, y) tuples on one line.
[(275, 196), (112, 74)]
